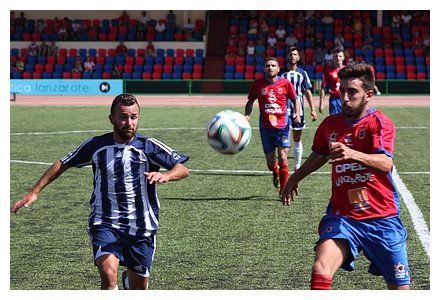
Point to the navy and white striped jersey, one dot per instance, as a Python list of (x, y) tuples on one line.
[(122, 198), (300, 80)]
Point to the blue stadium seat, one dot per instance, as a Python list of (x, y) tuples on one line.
[(15, 52), (131, 52), (137, 75), (70, 60), (41, 60), (239, 75), (229, 75), (178, 68), (108, 68), (83, 52), (159, 60), (170, 52), (122, 37), (57, 75), (149, 60), (166, 75), (391, 75), (110, 60), (400, 76), (29, 67), (148, 68), (47, 75), (138, 68), (230, 68), (92, 52), (16, 75), (87, 75), (199, 53), (187, 68), (96, 75), (99, 68), (199, 60), (177, 75), (68, 67), (59, 68), (120, 59), (160, 52)]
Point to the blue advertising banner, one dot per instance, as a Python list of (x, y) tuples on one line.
[(96, 87)]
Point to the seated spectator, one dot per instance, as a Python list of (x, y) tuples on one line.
[(318, 56), (241, 49), (357, 26), (291, 40), (339, 41), (260, 48), (89, 65), (76, 26), (327, 19), (271, 39), (368, 46), (328, 57), (406, 18), (116, 74), (253, 27), (121, 49), (171, 18), (44, 49), (280, 32), (150, 50), (77, 66), (19, 65), (40, 25), (426, 43), (263, 26), (33, 49), (188, 29), (160, 26), (52, 49), (124, 19), (251, 48), (397, 41), (395, 20)]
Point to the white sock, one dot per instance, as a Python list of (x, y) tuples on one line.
[(127, 283), (297, 154), (115, 288)]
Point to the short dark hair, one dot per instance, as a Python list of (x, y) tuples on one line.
[(362, 71), (292, 48), (337, 50), (125, 99), (271, 58)]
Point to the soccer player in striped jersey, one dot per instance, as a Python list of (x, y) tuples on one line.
[(302, 85), (273, 93), (363, 211), (330, 83), (125, 207)]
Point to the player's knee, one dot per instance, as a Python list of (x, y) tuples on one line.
[(109, 276)]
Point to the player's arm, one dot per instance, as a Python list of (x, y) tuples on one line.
[(313, 163), (309, 98), (178, 172), (321, 100), (248, 109), (50, 175), (380, 162)]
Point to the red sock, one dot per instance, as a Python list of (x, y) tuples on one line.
[(320, 282), (284, 175), (275, 169)]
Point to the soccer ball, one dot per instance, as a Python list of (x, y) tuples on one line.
[(229, 132)]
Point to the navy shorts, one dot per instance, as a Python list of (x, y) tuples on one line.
[(291, 113), (383, 242), (272, 138), (134, 252), (335, 105)]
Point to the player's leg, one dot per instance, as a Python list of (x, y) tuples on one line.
[(269, 146), (272, 165), (108, 270), (136, 281), (329, 257), (297, 148), (284, 166)]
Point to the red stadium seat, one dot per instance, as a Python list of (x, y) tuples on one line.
[(380, 75), (111, 36), (27, 75), (178, 36), (400, 60), (418, 52), (48, 68), (270, 52), (102, 52), (157, 75), (39, 68), (427, 60), (36, 36), (197, 75), (51, 60), (102, 36), (100, 60), (280, 60), (67, 75), (168, 68), (129, 60), (111, 52), (186, 75), (410, 75), (36, 75), (157, 68), (249, 75), (62, 52), (189, 52), (197, 68), (259, 75), (61, 60), (389, 52), (169, 60), (411, 68), (139, 60), (421, 75), (106, 75), (239, 60), (76, 75), (239, 68), (27, 36), (178, 60), (378, 52), (319, 68), (389, 60), (73, 52), (140, 52), (230, 60), (180, 52), (128, 68), (400, 68), (146, 75)]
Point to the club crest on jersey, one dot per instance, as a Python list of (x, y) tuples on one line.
[(280, 91), (348, 141), (272, 97), (400, 271)]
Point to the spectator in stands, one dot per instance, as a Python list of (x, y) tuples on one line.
[(241, 49), (280, 32), (368, 46), (43, 50), (397, 40), (78, 66), (406, 18), (33, 49), (142, 26), (89, 65), (116, 74), (19, 65), (40, 25), (150, 50), (328, 57), (251, 48), (425, 19), (76, 26), (21, 21), (271, 39), (395, 20), (417, 41), (160, 26), (188, 29), (318, 56), (300, 19), (124, 19), (171, 18), (319, 40), (426, 43), (121, 49), (253, 27), (52, 49), (339, 41), (291, 40), (12, 18), (260, 48), (357, 26), (327, 19), (264, 28)]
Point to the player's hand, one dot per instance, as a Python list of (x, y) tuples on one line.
[(340, 152), (26, 201), (297, 119), (321, 108), (313, 115), (289, 192), (153, 177), (248, 118)]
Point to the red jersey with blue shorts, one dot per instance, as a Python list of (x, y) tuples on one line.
[(272, 100), (364, 205), (330, 82)]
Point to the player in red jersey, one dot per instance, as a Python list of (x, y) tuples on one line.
[(272, 93), (363, 212), (330, 83)]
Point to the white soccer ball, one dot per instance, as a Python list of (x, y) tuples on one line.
[(229, 132)]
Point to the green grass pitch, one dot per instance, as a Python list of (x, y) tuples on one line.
[(217, 230)]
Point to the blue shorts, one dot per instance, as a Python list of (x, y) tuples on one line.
[(383, 242), (291, 113), (272, 138), (134, 252), (335, 105)]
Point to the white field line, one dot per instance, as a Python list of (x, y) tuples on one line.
[(419, 222), (157, 129), (215, 171)]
